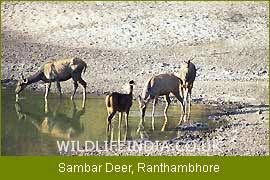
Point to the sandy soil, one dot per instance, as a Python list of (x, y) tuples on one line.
[(121, 41)]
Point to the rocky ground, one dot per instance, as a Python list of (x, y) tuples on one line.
[(120, 41)]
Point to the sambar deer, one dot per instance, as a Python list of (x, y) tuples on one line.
[(160, 85), (57, 71)]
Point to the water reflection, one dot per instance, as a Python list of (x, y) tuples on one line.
[(185, 118), (141, 126), (54, 122), (32, 127), (119, 131)]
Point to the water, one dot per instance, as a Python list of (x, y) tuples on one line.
[(28, 130)]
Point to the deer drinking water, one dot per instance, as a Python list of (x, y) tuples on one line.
[(57, 71), (160, 85)]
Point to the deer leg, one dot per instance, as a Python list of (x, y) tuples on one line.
[(127, 114), (141, 124), (46, 110), (125, 135), (168, 102), (153, 112), (109, 131), (119, 126), (75, 86), (48, 86), (182, 119), (83, 83), (142, 115), (126, 128), (185, 100), (189, 102), (109, 121), (59, 88), (177, 95), (182, 91), (120, 118)]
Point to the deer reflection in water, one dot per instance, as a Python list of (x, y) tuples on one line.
[(54, 123), (118, 133), (141, 126)]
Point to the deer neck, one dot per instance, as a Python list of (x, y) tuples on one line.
[(34, 78), (130, 89), (146, 92)]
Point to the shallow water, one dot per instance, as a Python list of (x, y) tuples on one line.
[(29, 129)]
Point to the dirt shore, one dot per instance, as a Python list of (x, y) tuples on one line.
[(120, 41)]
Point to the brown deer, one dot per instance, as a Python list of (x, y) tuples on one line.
[(187, 76), (160, 85), (57, 71), (119, 102)]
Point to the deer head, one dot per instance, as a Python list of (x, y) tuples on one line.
[(131, 83), (142, 102), (21, 85)]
